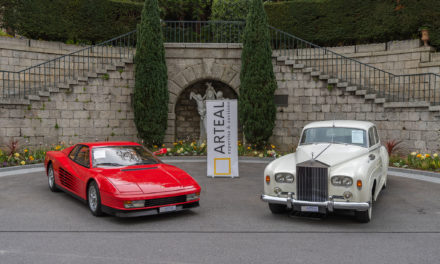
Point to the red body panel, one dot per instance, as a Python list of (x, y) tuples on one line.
[(117, 185)]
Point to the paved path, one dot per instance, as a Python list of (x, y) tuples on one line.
[(231, 226)]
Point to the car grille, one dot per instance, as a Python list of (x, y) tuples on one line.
[(165, 201), (312, 183)]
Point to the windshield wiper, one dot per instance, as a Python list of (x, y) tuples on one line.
[(109, 164)]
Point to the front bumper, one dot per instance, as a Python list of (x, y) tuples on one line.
[(144, 212), (330, 205)]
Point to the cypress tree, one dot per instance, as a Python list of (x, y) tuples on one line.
[(256, 101), (150, 91)]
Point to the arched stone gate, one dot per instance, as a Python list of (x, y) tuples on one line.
[(193, 64)]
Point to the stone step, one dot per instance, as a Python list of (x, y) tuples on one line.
[(332, 81), (100, 70), (434, 108), (14, 101), (82, 78), (298, 66), (54, 90), (281, 58), (361, 92), (380, 100), (110, 68), (44, 94), (370, 96), (324, 77), (32, 97), (351, 88), (406, 105), (127, 61), (119, 64), (307, 70), (289, 62), (315, 73), (63, 86), (342, 84), (92, 75)]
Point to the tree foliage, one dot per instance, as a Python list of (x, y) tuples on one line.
[(258, 84), (150, 92)]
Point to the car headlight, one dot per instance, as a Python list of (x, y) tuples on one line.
[(342, 181), (192, 196), (284, 177), (134, 204)]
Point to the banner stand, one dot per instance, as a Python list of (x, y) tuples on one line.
[(221, 132)]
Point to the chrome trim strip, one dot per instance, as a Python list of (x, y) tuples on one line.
[(330, 205)]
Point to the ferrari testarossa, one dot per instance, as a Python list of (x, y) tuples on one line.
[(120, 178)]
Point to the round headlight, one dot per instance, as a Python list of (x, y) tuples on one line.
[(342, 181), (284, 177)]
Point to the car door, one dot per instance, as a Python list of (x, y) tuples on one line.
[(375, 159), (80, 164)]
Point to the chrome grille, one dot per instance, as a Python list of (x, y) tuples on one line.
[(312, 183)]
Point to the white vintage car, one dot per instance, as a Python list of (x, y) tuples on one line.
[(337, 165)]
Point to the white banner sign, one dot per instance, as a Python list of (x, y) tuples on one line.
[(221, 132)]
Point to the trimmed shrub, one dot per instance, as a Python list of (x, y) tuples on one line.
[(150, 91), (341, 22), (256, 101), (73, 21), (229, 10)]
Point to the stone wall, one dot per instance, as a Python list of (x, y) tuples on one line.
[(96, 109), (311, 100), (100, 108)]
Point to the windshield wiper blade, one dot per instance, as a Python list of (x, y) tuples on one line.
[(109, 164)]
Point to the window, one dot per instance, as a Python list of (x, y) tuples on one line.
[(73, 152), (371, 137), (122, 156), (376, 135), (82, 158), (337, 135)]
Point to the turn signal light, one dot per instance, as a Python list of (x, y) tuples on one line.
[(267, 179), (359, 184)]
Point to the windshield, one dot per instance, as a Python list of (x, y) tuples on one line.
[(122, 156), (334, 135)]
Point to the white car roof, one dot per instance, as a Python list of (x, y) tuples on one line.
[(341, 123)]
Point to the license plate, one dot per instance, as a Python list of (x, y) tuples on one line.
[(314, 209), (165, 209)]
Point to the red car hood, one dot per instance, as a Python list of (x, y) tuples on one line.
[(149, 179)]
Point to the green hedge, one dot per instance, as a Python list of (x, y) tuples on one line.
[(77, 21), (347, 22)]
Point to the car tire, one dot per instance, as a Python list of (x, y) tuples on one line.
[(385, 183), (51, 179), (94, 199), (365, 216), (277, 208)]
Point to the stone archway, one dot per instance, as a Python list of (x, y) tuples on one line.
[(204, 70), (187, 122)]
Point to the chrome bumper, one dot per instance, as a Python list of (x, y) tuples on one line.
[(330, 205)]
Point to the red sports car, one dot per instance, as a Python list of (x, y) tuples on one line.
[(120, 178)]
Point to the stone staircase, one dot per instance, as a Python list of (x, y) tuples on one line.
[(48, 92), (358, 90)]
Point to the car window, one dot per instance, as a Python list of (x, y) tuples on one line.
[(371, 138), (82, 157), (376, 135), (122, 156), (344, 135), (73, 152)]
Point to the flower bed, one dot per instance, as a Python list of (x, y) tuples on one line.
[(414, 160), (16, 156)]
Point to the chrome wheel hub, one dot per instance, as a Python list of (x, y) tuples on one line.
[(93, 198), (51, 177)]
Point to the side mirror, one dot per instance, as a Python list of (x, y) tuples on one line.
[(372, 156)]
